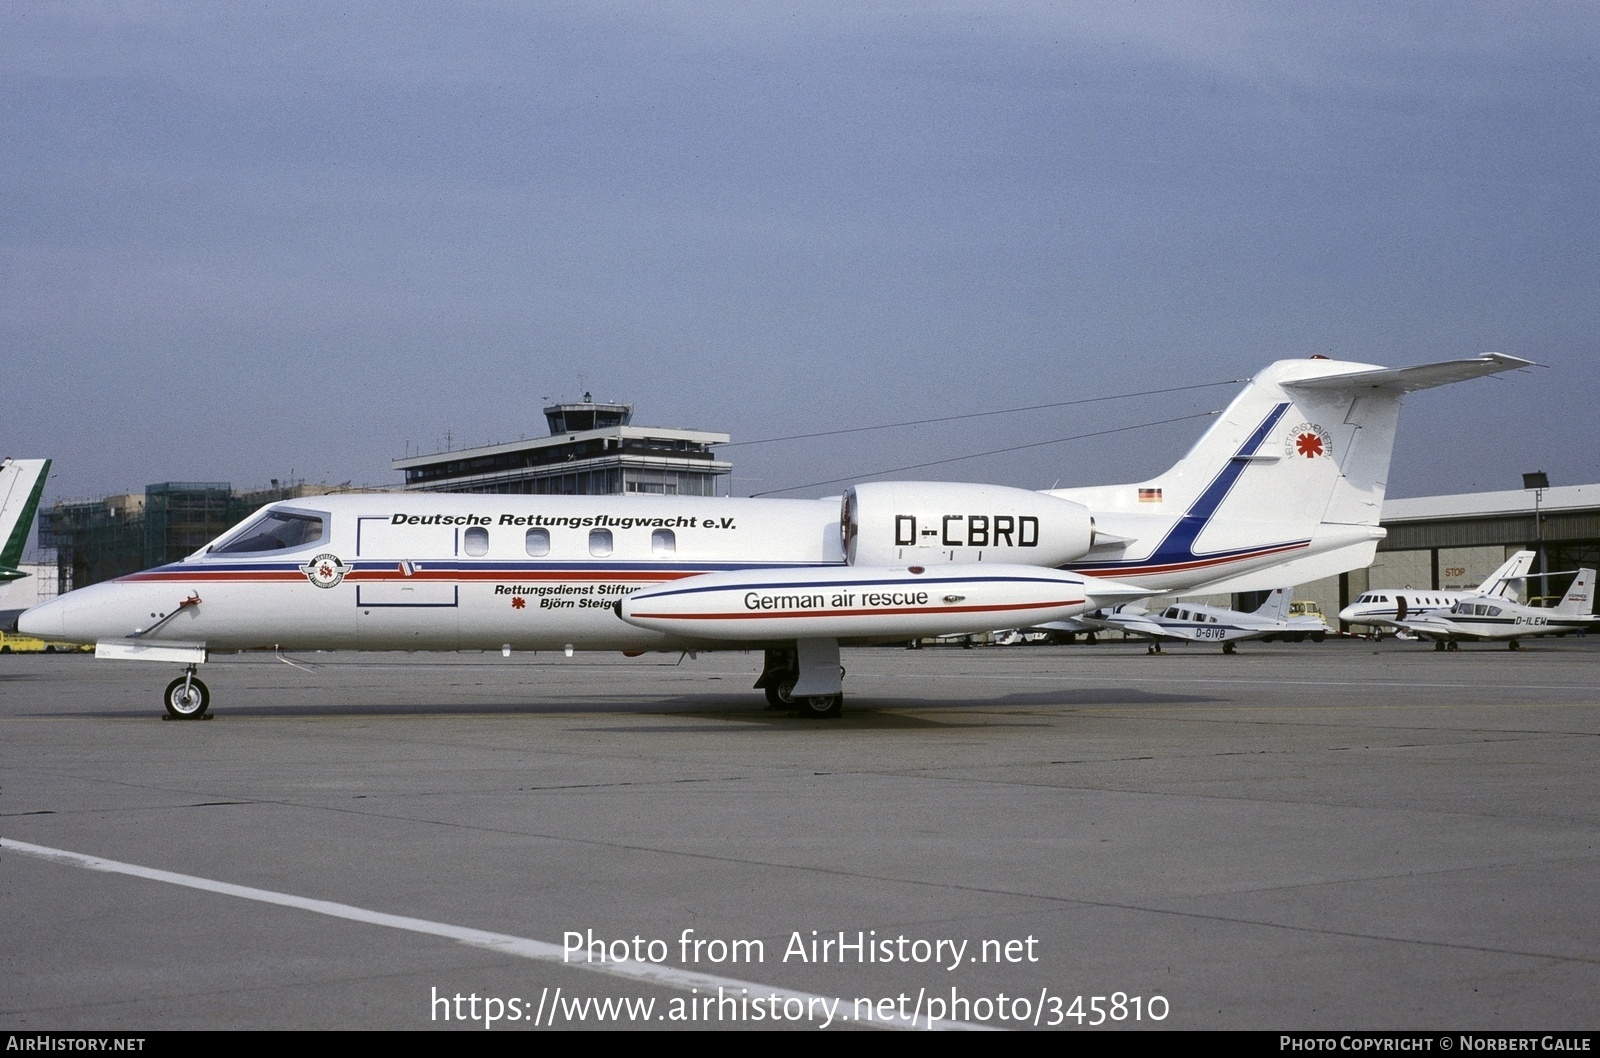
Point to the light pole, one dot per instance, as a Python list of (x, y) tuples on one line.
[(1536, 483)]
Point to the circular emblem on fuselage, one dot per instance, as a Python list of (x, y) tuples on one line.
[(325, 571), (1309, 440)]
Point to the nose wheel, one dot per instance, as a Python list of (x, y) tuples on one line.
[(187, 698)]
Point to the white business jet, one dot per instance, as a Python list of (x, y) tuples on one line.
[(1492, 617), (1286, 486), (1392, 607), (1185, 622)]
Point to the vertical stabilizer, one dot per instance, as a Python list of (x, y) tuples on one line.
[(1579, 599), (1507, 580), (1276, 608), (21, 485), (1287, 485)]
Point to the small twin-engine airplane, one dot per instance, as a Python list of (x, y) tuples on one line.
[(1490, 617), (1392, 607), (1198, 623), (1286, 486), (21, 483)]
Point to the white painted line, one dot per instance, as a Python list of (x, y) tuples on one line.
[(1069, 678), (538, 950)]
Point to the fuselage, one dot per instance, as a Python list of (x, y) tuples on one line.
[(1392, 607), (1491, 617), (427, 571)]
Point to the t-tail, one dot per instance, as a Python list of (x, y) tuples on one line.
[(1286, 486), (1507, 580), (21, 484)]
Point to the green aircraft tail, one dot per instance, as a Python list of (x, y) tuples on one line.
[(21, 485)]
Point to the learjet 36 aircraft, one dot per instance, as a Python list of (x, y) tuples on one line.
[(1284, 487)]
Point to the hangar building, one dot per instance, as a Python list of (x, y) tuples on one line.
[(1455, 542)]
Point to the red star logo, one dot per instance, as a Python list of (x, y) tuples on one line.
[(324, 570), (518, 603), (1309, 445)]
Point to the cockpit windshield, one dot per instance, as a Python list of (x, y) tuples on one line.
[(276, 530)]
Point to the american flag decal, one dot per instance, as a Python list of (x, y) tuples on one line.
[(1149, 495)]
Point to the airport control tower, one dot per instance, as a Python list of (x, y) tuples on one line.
[(593, 450)]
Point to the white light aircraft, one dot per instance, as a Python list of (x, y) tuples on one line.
[(1285, 486), (1199, 623), (1490, 617), (1392, 607)]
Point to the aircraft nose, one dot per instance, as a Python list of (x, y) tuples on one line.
[(47, 620), (1347, 614)]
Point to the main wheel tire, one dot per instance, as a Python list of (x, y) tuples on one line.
[(819, 706), (775, 698), (186, 702)]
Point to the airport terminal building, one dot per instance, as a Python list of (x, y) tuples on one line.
[(593, 450)]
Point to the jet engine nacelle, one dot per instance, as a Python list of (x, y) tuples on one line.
[(930, 522)]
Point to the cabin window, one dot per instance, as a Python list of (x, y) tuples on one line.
[(600, 542), (476, 541), (276, 530), (663, 542), (537, 542)]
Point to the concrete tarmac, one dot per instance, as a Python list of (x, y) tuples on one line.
[(1344, 835)]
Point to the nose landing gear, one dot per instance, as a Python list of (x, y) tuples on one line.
[(186, 697)]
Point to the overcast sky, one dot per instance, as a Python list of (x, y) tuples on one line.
[(241, 241)]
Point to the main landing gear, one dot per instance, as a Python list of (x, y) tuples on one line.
[(817, 706), (187, 698), (806, 678)]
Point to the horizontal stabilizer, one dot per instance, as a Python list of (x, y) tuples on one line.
[(1411, 379)]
